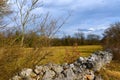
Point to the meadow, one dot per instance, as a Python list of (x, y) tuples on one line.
[(71, 53), (13, 59)]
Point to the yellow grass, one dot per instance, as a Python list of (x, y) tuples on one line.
[(112, 71), (58, 53), (110, 74), (12, 60), (114, 74)]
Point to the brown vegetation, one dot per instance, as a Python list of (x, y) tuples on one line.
[(112, 40), (12, 60), (71, 55), (112, 71)]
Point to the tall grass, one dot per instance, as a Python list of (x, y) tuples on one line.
[(13, 59)]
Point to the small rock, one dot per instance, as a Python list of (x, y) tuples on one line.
[(65, 66), (69, 74), (45, 68), (25, 72), (38, 69), (72, 66), (57, 69), (16, 78), (48, 75)]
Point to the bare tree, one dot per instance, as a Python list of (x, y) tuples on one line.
[(93, 39), (2, 5), (4, 8), (25, 17), (4, 11), (80, 36), (48, 26), (24, 13), (112, 39)]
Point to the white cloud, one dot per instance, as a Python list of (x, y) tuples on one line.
[(91, 29)]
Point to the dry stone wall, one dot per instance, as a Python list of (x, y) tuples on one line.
[(81, 69)]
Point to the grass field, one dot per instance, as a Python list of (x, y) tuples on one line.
[(12, 60), (59, 53)]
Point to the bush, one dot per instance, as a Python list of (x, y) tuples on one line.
[(12, 60), (72, 55), (111, 40)]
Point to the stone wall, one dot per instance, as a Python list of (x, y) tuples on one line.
[(81, 69)]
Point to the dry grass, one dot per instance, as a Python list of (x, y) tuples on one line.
[(114, 74), (110, 74), (12, 60), (59, 53), (112, 71)]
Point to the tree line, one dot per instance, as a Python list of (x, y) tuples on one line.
[(77, 39), (34, 39)]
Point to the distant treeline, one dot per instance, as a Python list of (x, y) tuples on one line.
[(33, 39), (91, 39)]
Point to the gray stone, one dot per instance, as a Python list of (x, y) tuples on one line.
[(49, 75), (72, 66), (69, 74), (16, 78), (45, 68), (25, 72), (28, 74), (57, 69), (38, 69)]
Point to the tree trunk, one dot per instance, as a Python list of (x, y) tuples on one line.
[(23, 36)]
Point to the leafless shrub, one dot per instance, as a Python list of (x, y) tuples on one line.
[(112, 39)]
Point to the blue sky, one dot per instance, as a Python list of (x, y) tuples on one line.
[(89, 16)]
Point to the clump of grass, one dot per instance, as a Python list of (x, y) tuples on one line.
[(110, 75), (114, 66), (113, 74), (72, 55), (112, 71)]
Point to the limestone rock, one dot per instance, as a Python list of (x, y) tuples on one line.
[(16, 78), (38, 69), (49, 75), (27, 74), (69, 74)]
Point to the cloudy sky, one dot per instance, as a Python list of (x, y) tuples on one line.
[(89, 16)]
